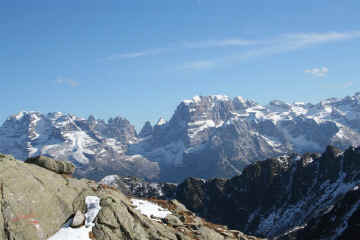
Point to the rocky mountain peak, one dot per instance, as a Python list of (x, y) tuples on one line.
[(120, 122), (331, 152), (91, 118), (280, 104), (215, 132), (121, 129), (161, 122), (240, 103), (146, 130)]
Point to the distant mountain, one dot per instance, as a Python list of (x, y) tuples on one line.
[(210, 136), (217, 136), (96, 147)]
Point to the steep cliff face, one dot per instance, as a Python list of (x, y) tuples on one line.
[(276, 195), (338, 221)]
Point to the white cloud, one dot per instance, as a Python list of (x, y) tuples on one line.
[(287, 43), (296, 41), (303, 39), (317, 72), (187, 45), (67, 81), (220, 43), (149, 52), (250, 48)]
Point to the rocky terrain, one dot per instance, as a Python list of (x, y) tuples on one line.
[(313, 192), (138, 187), (207, 137), (293, 197), (37, 201)]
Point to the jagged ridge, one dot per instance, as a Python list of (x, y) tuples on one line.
[(212, 136)]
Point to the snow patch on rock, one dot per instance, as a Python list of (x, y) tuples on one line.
[(150, 209)]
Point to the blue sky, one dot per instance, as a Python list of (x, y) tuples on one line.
[(139, 59)]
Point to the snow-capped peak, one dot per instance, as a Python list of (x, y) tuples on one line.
[(195, 99), (220, 97), (19, 116), (197, 124), (161, 121), (22, 114), (279, 104), (240, 99)]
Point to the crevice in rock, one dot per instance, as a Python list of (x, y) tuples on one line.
[(178, 237), (125, 232), (3, 202), (38, 179), (35, 177), (130, 211)]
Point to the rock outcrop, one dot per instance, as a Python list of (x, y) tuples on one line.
[(35, 203), (138, 187), (146, 130), (58, 166)]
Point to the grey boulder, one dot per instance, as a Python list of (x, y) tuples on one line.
[(78, 220)]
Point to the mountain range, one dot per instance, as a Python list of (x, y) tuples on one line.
[(207, 136)]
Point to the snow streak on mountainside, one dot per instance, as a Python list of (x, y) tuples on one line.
[(95, 146), (212, 136), (284, 194), (216, 136)]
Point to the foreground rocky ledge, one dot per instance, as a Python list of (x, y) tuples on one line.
[(35, 203)]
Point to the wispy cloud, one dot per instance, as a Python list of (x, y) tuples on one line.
[(304, 39), (149, 52), (250, 48), (220, 43), (66, 81), (317, 72), (178, 47), (282, 44)]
